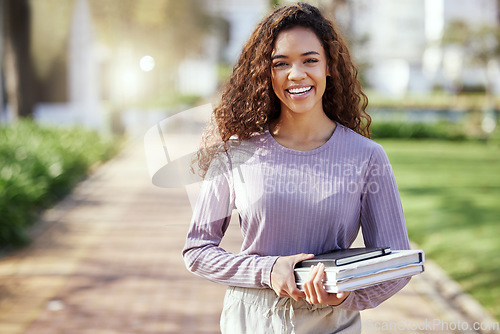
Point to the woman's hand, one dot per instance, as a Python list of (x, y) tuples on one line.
[(315, 291), (283, 278)]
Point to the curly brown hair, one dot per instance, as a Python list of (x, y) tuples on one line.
[(248, 102)]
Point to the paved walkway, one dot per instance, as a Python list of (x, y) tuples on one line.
[(107, 260)]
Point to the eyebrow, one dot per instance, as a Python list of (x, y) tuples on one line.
[(302, 55)]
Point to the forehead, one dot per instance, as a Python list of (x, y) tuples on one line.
[(297, 40)]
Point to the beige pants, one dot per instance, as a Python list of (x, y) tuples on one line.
[(254, 311)]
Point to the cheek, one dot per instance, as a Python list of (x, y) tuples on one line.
[(321, 83), (276, 84), (321, 76)]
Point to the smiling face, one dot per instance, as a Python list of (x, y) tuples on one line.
[(299, 70)]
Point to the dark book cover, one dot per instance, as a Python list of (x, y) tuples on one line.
[(341, 257)]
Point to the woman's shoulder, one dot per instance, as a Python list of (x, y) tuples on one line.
[(353, 138), (256, 140), (242, 151), (364, 151)]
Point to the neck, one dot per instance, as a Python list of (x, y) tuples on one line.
[(303, 127)]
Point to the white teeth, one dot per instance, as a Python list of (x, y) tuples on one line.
[(299, 90)]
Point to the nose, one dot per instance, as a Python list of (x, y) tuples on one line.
[(296, 73)]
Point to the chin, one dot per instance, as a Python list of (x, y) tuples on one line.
[(305, 109)]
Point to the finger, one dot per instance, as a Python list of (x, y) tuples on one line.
[(312, 273), (296, 294), (318, 285), (320, 274), (341, 296), (308, 293), (307, 284), (307, 290), (284, 292), (336, 298), (293, 291), (312, 286)]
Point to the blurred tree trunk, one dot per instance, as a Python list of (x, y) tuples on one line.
[(20, 79), (2, 102)]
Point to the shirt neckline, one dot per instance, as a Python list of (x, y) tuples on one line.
[(316, 150)]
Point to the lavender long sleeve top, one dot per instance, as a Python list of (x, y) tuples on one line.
[(292, 202)]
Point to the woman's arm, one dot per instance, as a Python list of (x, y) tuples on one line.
[(383, 224), (210, 220)]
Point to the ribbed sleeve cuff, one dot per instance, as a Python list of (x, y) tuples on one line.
[(267, 265)]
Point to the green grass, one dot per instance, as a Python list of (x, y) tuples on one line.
[(451, 198)]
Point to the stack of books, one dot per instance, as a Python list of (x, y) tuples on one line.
[(355, 268)]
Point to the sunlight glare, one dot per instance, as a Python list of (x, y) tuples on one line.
[(147, 63)]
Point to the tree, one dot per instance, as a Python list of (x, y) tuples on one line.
[(35, 65), (20, 80), (168, 30), (173, 27), (479, 46)]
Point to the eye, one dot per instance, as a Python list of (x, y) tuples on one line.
[(279, 64), (311, 61)]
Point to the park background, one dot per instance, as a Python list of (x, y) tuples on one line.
[(81, 78)]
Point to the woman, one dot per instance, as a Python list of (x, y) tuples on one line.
[(294, 161)]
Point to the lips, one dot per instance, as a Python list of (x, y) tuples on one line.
[(299, 90)]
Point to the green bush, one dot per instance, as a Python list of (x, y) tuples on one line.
[(39, 166), (446, 131)]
